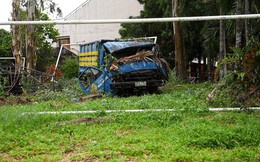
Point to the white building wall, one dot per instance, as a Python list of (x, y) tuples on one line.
[(99, 9)]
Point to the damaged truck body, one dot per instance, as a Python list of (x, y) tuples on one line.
[(117, 67)]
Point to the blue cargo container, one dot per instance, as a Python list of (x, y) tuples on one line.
[(113, 66)]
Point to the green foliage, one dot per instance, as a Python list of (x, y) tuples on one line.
[(233, 59), (64, 90), (201, 39), (5, 43), (46, 35), (70, 68), (240, 86), (3, 82)]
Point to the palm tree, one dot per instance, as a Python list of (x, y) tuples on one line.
[(224, 7)]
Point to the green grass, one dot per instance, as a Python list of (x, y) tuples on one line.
[(190, 135)]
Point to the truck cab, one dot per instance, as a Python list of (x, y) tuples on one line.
[(117, 66)]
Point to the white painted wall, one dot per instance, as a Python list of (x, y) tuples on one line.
[(99, 9)]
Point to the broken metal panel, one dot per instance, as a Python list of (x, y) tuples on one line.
[(93, 80)]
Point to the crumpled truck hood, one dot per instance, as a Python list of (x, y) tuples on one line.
[(118, 46)]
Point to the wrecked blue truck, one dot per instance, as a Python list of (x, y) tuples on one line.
[(118, 67)]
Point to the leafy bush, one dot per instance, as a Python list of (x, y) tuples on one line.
[(70, 68)]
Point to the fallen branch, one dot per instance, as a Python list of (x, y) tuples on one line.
[(211, 95)]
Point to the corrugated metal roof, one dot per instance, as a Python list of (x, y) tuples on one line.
[(117, 46)]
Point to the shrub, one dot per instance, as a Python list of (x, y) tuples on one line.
[(241, 85), (70, 68)]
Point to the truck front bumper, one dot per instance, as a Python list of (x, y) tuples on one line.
[(137, 84)]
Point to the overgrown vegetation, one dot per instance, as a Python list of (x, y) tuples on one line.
[(241, 86), (64, 90)]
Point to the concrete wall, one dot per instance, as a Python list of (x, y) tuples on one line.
[(99, 9)]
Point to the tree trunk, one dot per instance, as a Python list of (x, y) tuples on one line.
[(31, 41), (180, 62), (16, 36), (199, 68), (210, 67), (239, 24), (248, 27), (222, 44), (204, 74)]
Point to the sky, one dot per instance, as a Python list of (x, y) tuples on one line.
[(66, 6)]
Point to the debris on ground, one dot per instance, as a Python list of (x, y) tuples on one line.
[(74, 100), (90, 97)]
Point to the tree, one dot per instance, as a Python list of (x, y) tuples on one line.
[(31, 37), (180, 62), (211, 39), (33, 10), (239, 24), (16, 36), (223, 5), (248, 28)]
